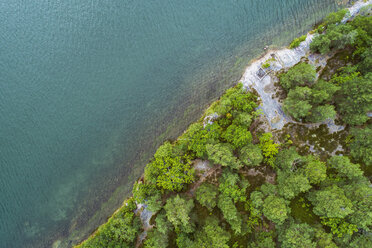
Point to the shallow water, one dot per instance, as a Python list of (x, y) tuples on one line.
[(86, 89)]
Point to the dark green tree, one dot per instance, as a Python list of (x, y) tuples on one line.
[(299, 75), (361, 145), (206, 195)]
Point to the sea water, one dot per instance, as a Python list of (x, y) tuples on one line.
[(89, 89)]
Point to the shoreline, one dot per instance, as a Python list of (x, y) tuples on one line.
[(247, 81)]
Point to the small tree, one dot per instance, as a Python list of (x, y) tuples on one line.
[(315, 170), (206, 195), (269, 148), (331, 202), (178, 213), (299, 75), (238, 136), (275, 209), (251, 155), (223, 154)]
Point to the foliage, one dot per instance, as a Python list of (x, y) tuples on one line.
[(321, 113), (120, 230), (355, 100), (359, 192), (262, 240), (361, 146), (206, 195), (254, 218), (331, 202), (323, 92), (149, 194), (315, 170), (230, 186), (325, 240), (197, 137), (361, 241), (162, 223), (266, 65), (296, 42), (156, 239), (336, 17), (212, 235), (336, 37), (297, 104), (339, 227), (178, 210), (345, 168), (269, 148), (243, 119), (251, 155), (299, 75), (168, 170), (275, 209), (288, 159), (238, 136), (291, 184), (230, 213), (297, 236), (223, 154)]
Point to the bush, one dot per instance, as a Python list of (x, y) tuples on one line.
[(296, 42)]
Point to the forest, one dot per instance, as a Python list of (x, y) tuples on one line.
[(227, 182)]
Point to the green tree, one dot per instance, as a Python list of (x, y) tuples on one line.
[(178, 213), (297, 236), (156, 239), (336, 17), (275, 209), (238, 136), (344, 167), (299, 75), (120, 231), (321, 113), (232, 187), (223, 154), (339, 227), (355, 100), (288, 159), (325, 240), (330, 202), (297, 104), (206, 195), (315, 170), (359, 192), (243, 119), (212, 235), (361, 241), (323, 92), (269, 148), (291, 184), (169, 171), (230, 213), (162, 223), (361, 146), (251, 155), (320, 43), (262, 240)]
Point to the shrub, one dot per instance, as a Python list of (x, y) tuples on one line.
[(296, 42)]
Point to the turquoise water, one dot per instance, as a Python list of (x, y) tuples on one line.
[(86, 87)]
